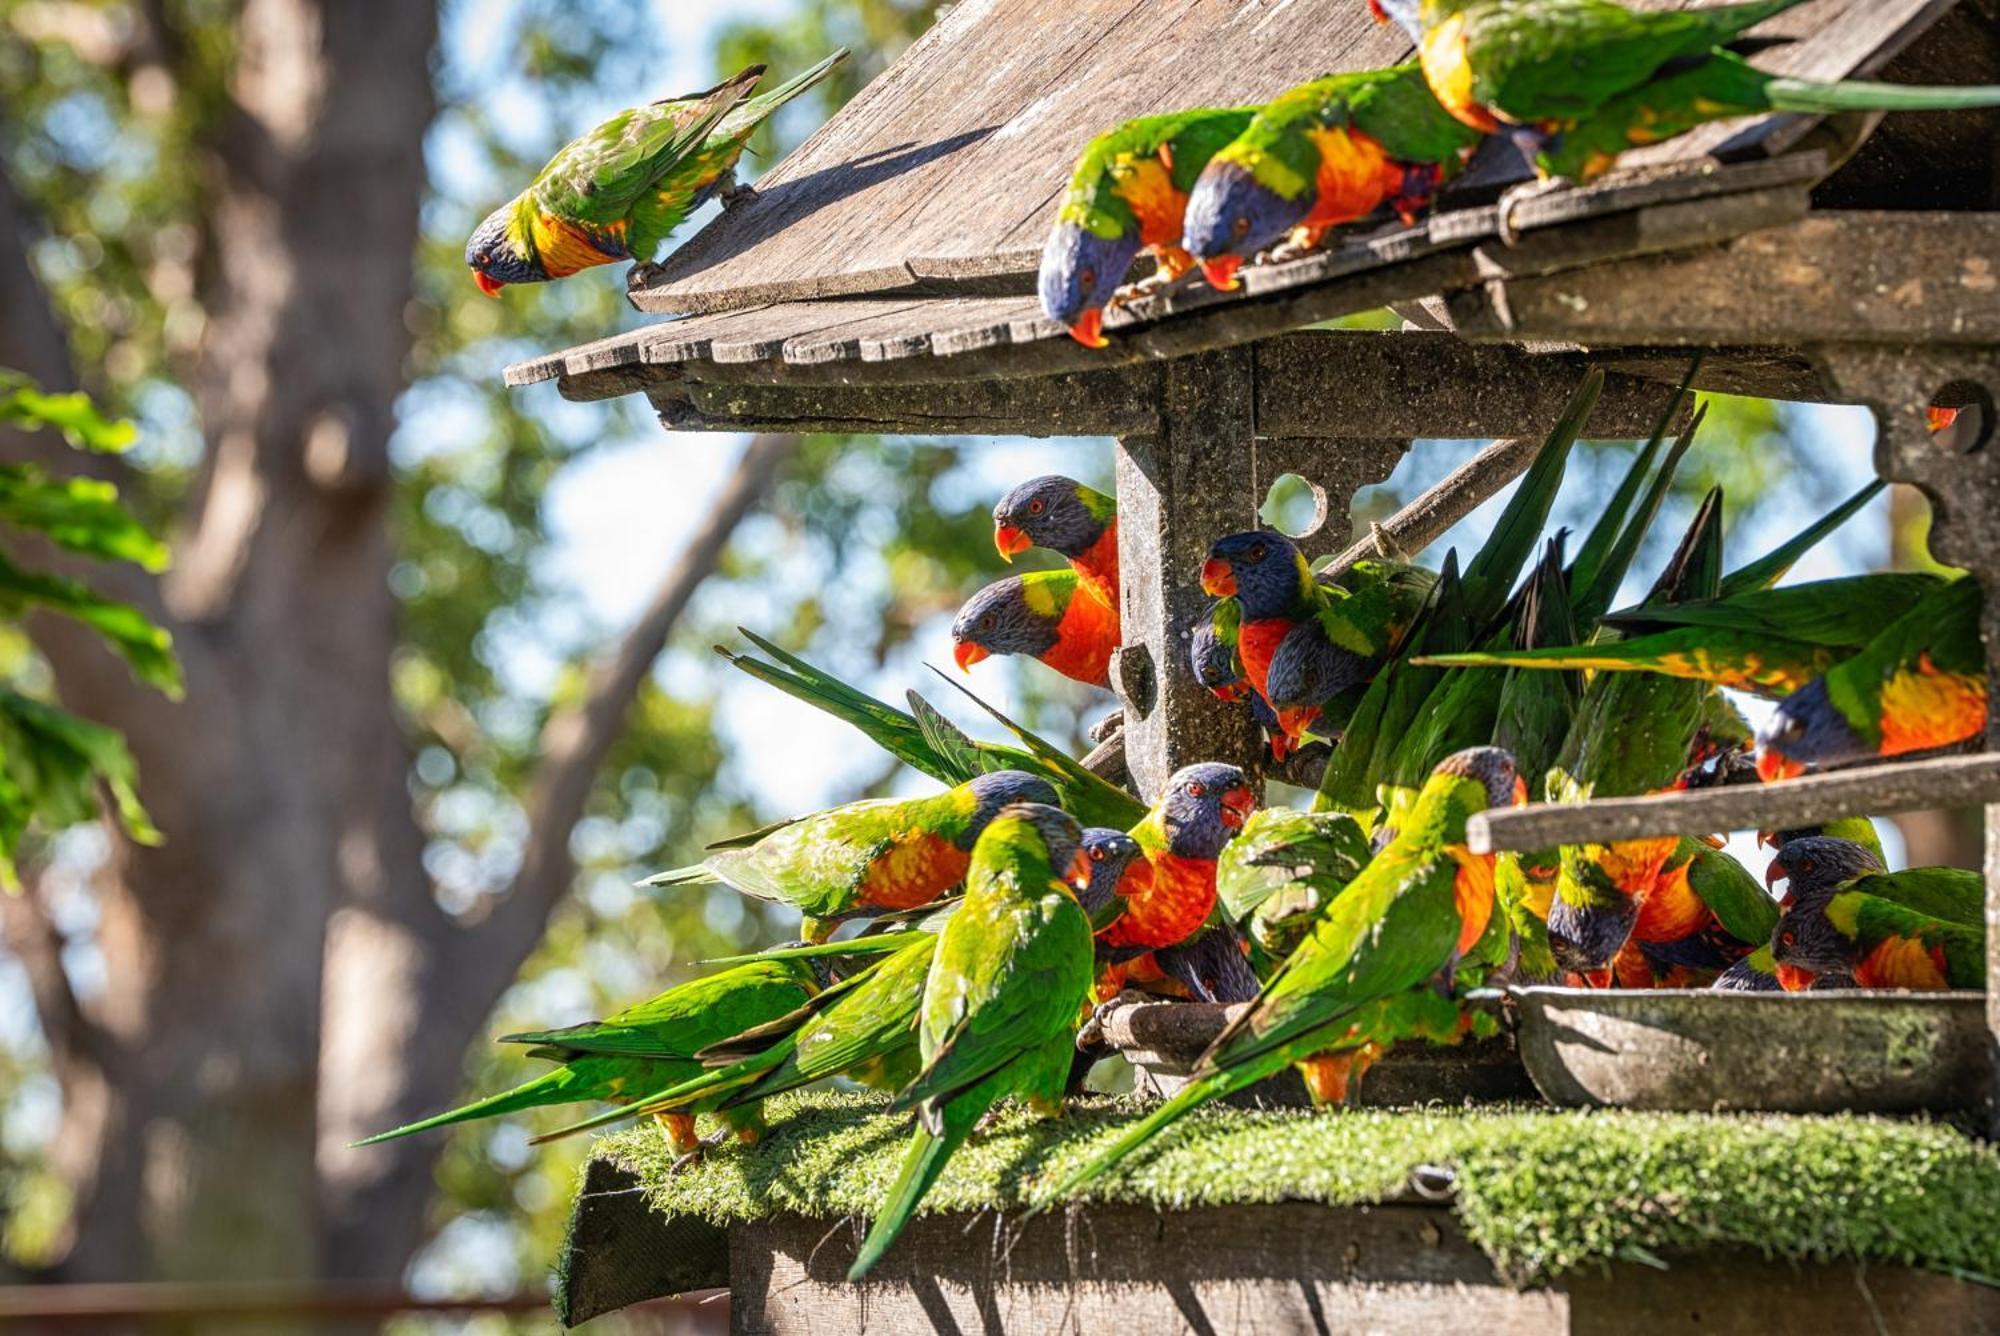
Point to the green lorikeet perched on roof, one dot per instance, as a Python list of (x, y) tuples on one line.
[(926, 741), (1362, 975), (1066, 517), (1053, 617), (1845, 916), (864, 1029), (646, 1047), (1001, 1003), (1303, 642), (865, 858), (1331, 151), (1575, 83), (1128, 194), (617, 192)]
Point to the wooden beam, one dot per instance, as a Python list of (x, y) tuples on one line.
[(1420, 523), (1827, 278), (1951, 781)]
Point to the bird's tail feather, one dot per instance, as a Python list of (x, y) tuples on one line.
[(695, 874), (1826, 98), (746, 115), (922, 1164), (556, 1087)]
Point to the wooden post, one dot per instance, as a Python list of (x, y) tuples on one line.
[(1179, 490)]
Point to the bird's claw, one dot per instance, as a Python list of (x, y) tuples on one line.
[(1386, 546), (1105, 727), (1091, 1037), (694, 1157), (733, 194), (640, 275)]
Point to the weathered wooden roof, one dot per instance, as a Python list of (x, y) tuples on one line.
[(907, 229)]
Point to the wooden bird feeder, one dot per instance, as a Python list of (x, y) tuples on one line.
[(881, 280)]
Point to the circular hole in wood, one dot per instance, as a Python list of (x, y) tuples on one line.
[(1960, 416), (1294, 506)]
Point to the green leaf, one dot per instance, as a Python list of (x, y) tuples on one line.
[(24, 405), (81, 514), (148, 648), (51, 764)]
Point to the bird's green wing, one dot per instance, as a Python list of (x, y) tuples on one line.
[(863, 1027), (1744, 661), (595, 179), (817, 863), (1559, 60), (1742, 906), (1280, 848), (1876, 688), (1397, 109), (1012, 967), (682, 1021), (1846, 612), (1952, 894), (1872, 923)]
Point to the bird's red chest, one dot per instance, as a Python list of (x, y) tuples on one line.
[(1085, 639), (1257, 643), (916, 868), (1472, 896), (1099, 567), (1670, 911), (1167, 898)]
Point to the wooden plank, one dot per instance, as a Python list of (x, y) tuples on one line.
[(1402, 1269), (1447, 501), (764, 340), (1950, 781), (959, 152), (1834, 277)]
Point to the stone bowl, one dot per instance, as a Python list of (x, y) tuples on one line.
[(1697, 1050)]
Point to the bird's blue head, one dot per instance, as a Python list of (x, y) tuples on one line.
[(1214, 661), (1110, 852), (1231, 216), (1054, 512), (1204, 806), (1815, 862), (1806, 730), (1494, 768), (493, 259), (1080, 271), (1003, 788), (1000, 619), (1403, 13), (1261, 567)]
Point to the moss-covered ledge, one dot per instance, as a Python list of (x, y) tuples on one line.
[(1541, 1193)]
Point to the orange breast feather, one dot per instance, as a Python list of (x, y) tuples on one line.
[(916, 868), (1165, 906)]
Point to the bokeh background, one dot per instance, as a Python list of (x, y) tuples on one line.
[(405, 801)]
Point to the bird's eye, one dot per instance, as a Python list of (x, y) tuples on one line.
[(986, 622), (1196, 789), (1241, 227), (1257, 552), (1788, 938), (1087, 276), (1036, 506), (1805, 865), (1792, 728), (1097, 855)]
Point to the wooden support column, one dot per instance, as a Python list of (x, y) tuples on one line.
[(1179, 489), (1959, 471)]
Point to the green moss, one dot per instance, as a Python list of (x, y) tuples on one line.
[(1541, 1191)]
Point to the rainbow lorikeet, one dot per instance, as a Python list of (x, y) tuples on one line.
[(1213, 656), (1758, 973), (1331, 151), (863, 1029), (1845, 916), (1061, 514), (648, 1046), (1001, 1002), (1052, 617), (1702, 914), (1111, 853), (1857, 829), (1301, 642), (1575, 83), (870, 857), (1283, 869), (925, 740), (1128, 194), (1919, 684), (1169, 894), (617, 192), (1363, 972)]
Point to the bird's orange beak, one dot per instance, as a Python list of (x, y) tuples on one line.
[(1011, 541), (1375, 8), (1767, 839), (1089, 329), (1771, 767), (1078, 875), (1520, 791), (1235, 691), (1218, 578), (1774, 872), (487, 283), (966, 653), (1795, 980), (1221, 272), (1237, 805)]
